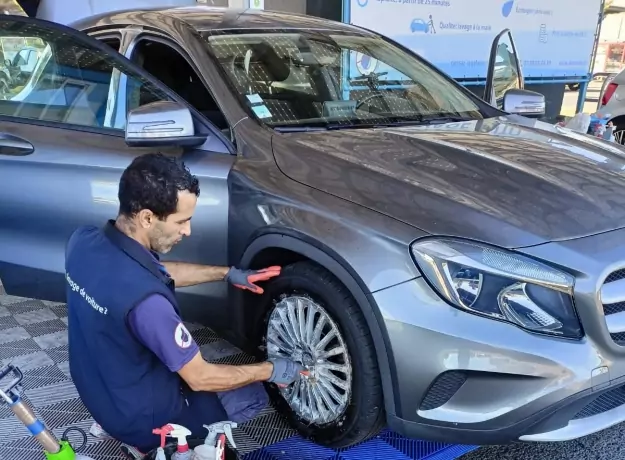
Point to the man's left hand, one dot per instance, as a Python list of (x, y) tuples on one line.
[(246, 279)]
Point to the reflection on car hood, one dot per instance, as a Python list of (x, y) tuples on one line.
[(510, 181)]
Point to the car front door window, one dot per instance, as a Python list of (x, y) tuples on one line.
[(166, 63), (71, 82)]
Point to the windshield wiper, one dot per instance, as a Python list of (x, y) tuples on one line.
[(330, 127), (441, 120), (299, 129), (392, 122)]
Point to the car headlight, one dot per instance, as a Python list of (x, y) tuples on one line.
[(500, 284)]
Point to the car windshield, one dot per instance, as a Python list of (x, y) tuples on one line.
[(292, 78)]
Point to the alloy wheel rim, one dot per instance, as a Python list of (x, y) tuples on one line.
[(302, 330)]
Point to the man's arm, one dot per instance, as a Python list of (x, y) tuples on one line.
[(204, 376), (156, 324), (185, 274)]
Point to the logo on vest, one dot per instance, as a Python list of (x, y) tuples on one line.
[(182, 336)]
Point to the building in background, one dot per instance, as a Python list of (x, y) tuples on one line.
[(610, 55)]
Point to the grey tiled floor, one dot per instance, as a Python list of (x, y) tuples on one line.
[(33, 336)]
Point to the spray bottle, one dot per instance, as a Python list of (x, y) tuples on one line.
[(182, 447), (215, 443), (53, 449), (162, 432)]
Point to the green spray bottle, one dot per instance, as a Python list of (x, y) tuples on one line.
[(53, 448)]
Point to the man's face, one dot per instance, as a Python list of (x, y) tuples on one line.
[(164, 234)]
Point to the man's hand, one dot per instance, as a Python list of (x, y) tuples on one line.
[(285, 371), (245, 279)]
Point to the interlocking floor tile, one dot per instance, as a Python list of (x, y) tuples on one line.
[(35, 316)]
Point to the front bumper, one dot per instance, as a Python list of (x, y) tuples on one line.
[(466, 379)]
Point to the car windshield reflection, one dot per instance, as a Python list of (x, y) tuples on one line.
[(315, 79)]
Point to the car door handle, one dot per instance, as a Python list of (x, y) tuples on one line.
[(15, 146)]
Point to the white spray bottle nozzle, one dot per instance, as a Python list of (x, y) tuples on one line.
[(180, 433), (217, 428)]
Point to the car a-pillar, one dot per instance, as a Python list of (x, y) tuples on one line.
[(315, 279)]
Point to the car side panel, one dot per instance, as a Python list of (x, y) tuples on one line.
[(69, 180), (72, 179), (272, 212)]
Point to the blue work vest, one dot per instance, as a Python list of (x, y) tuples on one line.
[(125, 387)]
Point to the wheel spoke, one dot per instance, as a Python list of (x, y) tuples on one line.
[(331, 403), (329, 336), (325, 384), (281, 334), (301, 318), (324, 413), (310, 324), (329, 353), (293, 323), (343, 385), (334, 367), (280, 346), (318, 331), (286, 325)]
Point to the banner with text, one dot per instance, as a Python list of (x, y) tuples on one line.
[(554, 38)]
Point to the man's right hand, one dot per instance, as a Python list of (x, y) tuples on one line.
[(285, 371)]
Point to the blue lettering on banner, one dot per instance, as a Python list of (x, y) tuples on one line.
[(569, 33), (533, 11), (536, 62), (465, 27), (470, 63), (443, 3), (457, 35)]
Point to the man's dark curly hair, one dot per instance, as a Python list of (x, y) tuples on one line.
[(152, 181)]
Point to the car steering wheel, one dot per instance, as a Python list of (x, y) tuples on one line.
[(376, 96)]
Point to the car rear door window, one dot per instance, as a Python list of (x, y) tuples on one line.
[(71, 82)]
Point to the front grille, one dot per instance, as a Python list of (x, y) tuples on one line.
[(615, 276), (619, 338), (613, 308), (603, 403), (444, 387)]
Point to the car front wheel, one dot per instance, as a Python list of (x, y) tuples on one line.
[(314, 320)]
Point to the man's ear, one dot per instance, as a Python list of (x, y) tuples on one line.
[(145, 218)]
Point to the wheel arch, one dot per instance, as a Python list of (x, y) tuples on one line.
[(291, 247)]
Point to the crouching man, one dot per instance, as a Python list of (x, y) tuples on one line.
[(134, 363)]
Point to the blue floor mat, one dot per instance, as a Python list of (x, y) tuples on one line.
[(387, 445)]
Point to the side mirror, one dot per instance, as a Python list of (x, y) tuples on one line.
[(523, 102), (162, 123)]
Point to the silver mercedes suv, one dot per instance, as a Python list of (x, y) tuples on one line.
[(453, 268)]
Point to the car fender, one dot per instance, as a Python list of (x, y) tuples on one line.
[(328, 259)]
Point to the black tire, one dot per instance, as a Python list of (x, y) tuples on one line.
[(365, 415)]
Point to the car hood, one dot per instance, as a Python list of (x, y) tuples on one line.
[(510, 181)]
